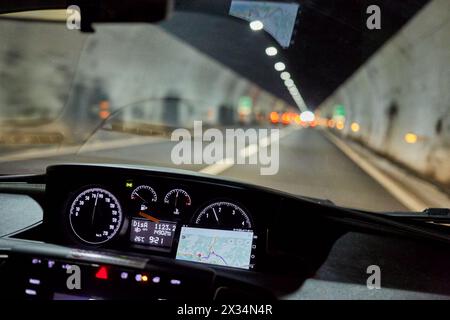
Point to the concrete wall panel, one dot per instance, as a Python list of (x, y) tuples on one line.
[(404, 88)]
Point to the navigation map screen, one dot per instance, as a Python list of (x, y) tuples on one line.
[(213, 246)]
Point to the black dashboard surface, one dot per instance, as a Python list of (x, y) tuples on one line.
[(291, 239)]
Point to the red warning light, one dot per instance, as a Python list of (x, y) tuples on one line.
[(102, 273)]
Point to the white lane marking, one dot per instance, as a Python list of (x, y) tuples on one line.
[(218, 167), (246, 152), (96, 146), (250, 150), (408, 199)]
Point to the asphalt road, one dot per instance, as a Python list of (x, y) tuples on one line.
[(309, 165)]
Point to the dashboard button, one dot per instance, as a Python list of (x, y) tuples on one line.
[(34, 281), (175, 282), (30, 292), (156, 280)]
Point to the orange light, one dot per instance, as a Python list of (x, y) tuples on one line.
[(410, 138), (321, 122), (274, 117), (331, 123), (144, 278), (297, 119), (104, 114), (313, 123), (285, 118), (292, 116), (355, 127), (340, 125)]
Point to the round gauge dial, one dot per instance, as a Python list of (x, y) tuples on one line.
[(223, 215), (95, 216), (144, 194), (144, 197), (177, 200)]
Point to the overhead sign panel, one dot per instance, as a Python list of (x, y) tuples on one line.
[(278, 18)]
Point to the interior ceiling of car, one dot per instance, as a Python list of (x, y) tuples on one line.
[(330, 42)]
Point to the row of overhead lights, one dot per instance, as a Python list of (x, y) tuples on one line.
[(258, 25), (279, 66)]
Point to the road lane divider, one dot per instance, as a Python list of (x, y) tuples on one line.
[(248, 151), (218, 167)]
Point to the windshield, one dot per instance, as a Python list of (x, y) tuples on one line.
[(342, 102)]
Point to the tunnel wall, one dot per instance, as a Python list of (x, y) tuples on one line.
[(51, 72), (404, 88)]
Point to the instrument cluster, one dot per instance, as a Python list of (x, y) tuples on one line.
[(163, 217)]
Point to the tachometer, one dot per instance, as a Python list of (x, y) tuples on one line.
[(95, 216), (223, 215)]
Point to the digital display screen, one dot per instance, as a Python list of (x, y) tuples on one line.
[(157, 234), (214, 246)]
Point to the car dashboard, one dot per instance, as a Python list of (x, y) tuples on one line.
[(178, 232), (172, 217), (123, 232)]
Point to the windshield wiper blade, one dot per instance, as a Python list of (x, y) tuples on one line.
[(430, 214)]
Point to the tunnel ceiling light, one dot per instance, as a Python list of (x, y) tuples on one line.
[(280, 66), (294, 91), (256, 25), (271, 51), (289, 83), (285, 75)]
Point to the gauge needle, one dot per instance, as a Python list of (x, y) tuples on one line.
[(215, 215), (176, 200), (149, 217), (141, 197), (93, 211)]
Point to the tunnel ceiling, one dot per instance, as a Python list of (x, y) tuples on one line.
[(329, 44)]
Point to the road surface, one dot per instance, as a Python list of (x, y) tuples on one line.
[(310, 165)]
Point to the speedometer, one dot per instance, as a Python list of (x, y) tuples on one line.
[(95, 216), (223, 215)]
